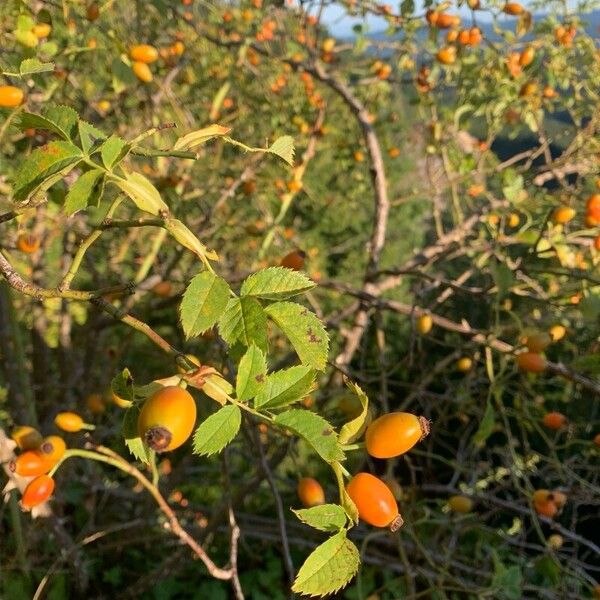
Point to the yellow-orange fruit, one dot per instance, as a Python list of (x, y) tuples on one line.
[(162, 289), (513, 8), (167, 419), (447, 55), (555, 541), (295, 260), (143, 53), (310, 492), (26, 437), (38, 491), (554, 420), (557, 332), (563, 214), (538, 342), (142, 71), (30, 463), (394, 434), (546, 508), (53, 448), (464, 364), (526, 57), (460, 504), (374, 501), (531, 362), (69, 421), (445, 20), (424, 324), (95, 404), (28, 243), (42, 30)]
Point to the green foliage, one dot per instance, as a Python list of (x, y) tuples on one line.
[(285, 387), (315, 430), (329, 567), (204, 301), (251, 374), (326, 517), (217, 431)]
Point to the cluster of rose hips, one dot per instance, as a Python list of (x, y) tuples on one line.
[(39, 455), (389, 436)]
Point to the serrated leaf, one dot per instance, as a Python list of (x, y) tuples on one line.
[(217, 431), (133, 441), (251, 374), (276, 283), (328, 568), (188, 240), (315, 430), (284, 148), (113, 151), (200, 136), (61, 120), (353, 429), (245, 320), (204, 301), (327, 517), (345, 500), (142, 192), (83, 192), (89, 135), (37, 170), (31, 66), (286, 386), (304, 330), (65, 118)]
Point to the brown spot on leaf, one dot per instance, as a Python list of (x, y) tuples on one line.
[(260, 378), (312, 338), (328, 431)]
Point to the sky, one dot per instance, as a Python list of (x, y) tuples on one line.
[(341, 24)]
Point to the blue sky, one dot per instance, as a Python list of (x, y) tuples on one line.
[(341, 24)]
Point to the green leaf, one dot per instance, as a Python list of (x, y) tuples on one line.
[(284, 148), (486, 427), (251, 374), (503, 278), (204, 301), (276, 283), (37, 170), (25, 23), (329, 567), (345, 500), (133, 441), (31, 66), (304, 330), (315, 430), (122, 385), (590, 307), (83, 192), (286, 386), (200, 136), (142, 192), (122, 76), (65, 119), (327, 517), (353, 429), (113, 151), (188, 240), (89, 135), (507, 582), (245, 320), (217, 431)]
